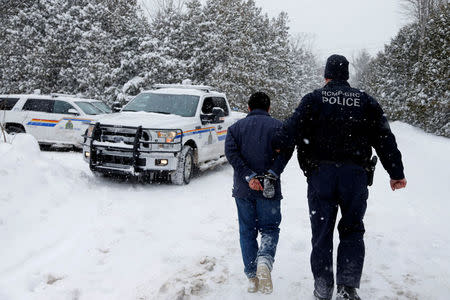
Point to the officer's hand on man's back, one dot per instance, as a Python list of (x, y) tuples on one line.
[(255, 184), (398, 184)]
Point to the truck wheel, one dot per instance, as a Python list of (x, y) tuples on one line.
[(14, 129), (185, 167)]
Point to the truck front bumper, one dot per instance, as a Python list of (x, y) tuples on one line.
[(104, 159), (124, 150)]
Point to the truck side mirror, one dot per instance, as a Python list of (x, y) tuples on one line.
[(116, 107), (218, 115)]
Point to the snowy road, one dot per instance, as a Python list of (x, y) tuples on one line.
[(65, 234)]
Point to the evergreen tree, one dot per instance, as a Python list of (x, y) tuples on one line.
[(25, 62), (79, 46), (108, 50), (166, 31), (411, 76)]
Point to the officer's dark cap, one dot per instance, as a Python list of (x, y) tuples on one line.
[(259, 100), (337, 68)]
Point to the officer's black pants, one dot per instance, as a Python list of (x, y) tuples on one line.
[(329, 187)]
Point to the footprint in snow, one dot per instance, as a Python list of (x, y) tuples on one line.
[(193, 281)]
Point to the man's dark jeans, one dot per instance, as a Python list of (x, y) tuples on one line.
[(258, 215), (329, 187)]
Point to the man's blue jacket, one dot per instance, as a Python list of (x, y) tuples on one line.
[(248, 148)]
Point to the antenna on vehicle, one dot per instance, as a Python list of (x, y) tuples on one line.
[(205, 88), (67, 95)]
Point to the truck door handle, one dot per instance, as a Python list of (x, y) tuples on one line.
[(219, 127)]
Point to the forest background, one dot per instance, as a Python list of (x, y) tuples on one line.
[(112, 50)]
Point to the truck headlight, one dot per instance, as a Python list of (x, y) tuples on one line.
[(169, 136), (90, 130)]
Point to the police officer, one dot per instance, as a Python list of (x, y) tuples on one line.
[(257, 169), (334, 129)]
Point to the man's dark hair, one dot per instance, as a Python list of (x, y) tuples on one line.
[(259, 100)]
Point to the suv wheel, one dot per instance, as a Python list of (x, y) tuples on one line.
[(14, 129), (185, 167)]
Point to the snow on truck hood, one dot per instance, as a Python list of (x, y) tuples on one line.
[(147, 120)]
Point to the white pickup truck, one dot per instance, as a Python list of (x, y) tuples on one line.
[(54, 120), (166, 132)]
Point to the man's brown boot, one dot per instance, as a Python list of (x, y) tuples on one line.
[(252, 285), (264, 279)]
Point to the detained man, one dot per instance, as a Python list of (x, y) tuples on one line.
[(257, 169)]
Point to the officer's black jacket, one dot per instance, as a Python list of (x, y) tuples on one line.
[(340, 124)]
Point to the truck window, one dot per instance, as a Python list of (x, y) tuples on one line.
[(182, 105), (102, 106), (62, 107), (207, 106), (8, 103), (210, 103), (222, 103), (41, 105)]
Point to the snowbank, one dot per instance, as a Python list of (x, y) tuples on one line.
[(37, 210), (19, 144)]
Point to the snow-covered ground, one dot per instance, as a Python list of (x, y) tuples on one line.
[(65, 234)]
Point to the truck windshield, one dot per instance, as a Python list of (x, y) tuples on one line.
[(88, 108), (182, 105), (102, 106)]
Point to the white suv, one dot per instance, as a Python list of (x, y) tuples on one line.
[(165, 132), (54, 119)]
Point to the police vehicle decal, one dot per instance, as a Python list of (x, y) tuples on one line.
[(222, 135), (85, 121), (53, 123), (198, 131), (42, 122)]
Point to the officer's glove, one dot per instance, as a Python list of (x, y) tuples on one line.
[(269, 185)]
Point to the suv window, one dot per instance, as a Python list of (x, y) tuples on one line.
[(102, 106), (62, 107), (42, 105), (210, 103), (8, 103), (88, 108)]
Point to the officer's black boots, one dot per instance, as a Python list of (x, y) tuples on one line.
[(346, 293)]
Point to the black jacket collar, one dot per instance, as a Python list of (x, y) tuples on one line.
[(334, 83), (257, 112)]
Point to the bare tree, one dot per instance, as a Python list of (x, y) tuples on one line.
[(419, 10), (3, 132), (360, 63), (303, 40), (154, 7), (2, 122)]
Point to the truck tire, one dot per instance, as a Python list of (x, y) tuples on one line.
[(185, 167), (14, 129)]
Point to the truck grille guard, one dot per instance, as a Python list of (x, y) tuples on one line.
[(136, 144)]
